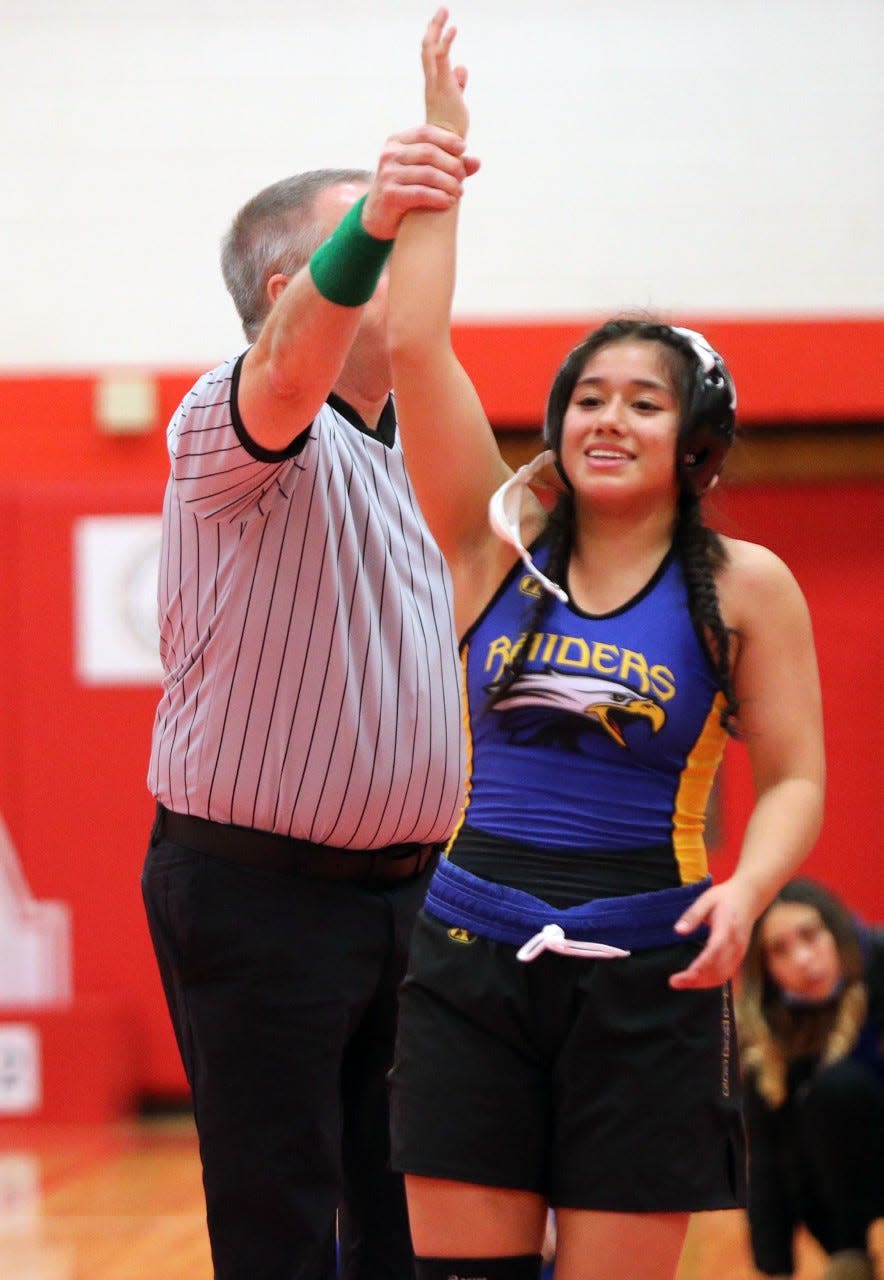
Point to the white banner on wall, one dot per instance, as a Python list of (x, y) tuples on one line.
[(116, 633), (35, 940)]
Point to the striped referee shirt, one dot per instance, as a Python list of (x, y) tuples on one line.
[(310, 664)]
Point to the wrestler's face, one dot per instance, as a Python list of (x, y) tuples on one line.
[(620, 426), (800, 952)]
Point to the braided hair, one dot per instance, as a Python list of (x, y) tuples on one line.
[(699, 549)]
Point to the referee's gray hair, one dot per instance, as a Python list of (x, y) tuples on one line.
[(275, 232)]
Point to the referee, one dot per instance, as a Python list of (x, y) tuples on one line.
[(306, 756)]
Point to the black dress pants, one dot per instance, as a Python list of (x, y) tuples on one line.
[(283, 991)]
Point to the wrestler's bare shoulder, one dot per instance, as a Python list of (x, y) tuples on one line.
[(754, 578)]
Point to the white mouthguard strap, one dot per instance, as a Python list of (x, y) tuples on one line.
[(505, 516)]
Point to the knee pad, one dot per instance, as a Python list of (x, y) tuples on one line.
[(525, 1266)]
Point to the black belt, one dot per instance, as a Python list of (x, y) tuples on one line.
[(252, 848)]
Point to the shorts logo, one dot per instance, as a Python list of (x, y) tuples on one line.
[(725, 1042), (461, 935)]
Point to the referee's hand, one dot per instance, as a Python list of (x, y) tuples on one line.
[(420, 168)]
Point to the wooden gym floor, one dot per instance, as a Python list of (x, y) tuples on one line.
[(123, 1201)]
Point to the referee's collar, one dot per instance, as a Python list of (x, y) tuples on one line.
[(386, 428)]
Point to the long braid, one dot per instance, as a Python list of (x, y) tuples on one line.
[(700, 553), (557, 536)]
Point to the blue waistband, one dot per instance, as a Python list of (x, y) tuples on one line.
[(637, 922)]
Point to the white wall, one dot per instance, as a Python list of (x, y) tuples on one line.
[(720, 157)]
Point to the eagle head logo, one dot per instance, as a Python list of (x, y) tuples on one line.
[(608, 705)]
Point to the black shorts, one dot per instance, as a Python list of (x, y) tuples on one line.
[(591, 1082)]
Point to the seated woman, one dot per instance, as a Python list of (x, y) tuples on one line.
[(811, 1015)]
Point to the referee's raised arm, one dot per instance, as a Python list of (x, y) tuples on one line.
[(314, 316)]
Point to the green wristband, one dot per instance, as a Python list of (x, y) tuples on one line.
[(347, 266)]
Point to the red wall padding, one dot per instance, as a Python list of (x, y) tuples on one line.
[(786, 370), (830, 535), (795, 370)]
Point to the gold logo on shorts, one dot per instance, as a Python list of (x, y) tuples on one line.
[(461, 935)]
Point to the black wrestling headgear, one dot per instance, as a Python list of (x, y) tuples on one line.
[(710, 422)]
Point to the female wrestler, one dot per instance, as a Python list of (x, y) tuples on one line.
[(566, 1026)]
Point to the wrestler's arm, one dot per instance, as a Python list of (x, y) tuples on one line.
[(777, 684)]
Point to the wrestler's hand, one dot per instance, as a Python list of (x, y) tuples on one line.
[(729, 913), (425, 167), (443, 84)]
